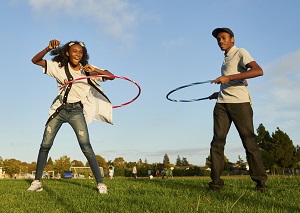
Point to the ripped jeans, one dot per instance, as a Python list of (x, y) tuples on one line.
[(72, 114)]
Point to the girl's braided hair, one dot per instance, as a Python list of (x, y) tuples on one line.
[(60, 54)]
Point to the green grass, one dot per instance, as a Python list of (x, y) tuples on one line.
[(155, 195)]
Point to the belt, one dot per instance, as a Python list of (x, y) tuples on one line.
[(72, 104), (61, 107)]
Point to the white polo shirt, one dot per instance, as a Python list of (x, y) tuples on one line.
[(96, 106), (235, 91)]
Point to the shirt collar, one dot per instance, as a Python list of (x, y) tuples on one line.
[(231, 51)]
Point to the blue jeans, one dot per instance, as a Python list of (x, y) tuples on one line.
[(241, 115), (72, 114)]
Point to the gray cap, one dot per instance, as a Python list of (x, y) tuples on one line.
[(223, 29)]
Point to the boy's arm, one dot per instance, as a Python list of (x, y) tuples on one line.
[(38, 58), (254, 71)]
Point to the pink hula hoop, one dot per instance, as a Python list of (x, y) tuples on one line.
[(114, 76)]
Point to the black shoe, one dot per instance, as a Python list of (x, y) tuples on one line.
[(263, 188), (214, 187)]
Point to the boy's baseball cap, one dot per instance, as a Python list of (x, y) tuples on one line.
[(216, 31)]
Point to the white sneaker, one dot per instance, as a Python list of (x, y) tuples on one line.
[(102, 188), (35, 186)]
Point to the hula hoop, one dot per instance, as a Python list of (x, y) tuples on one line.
[(188, 85), (114, 76)]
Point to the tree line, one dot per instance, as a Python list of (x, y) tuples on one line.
[(278, 152), (64, 163)]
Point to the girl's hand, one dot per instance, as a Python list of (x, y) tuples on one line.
[(88, 68), (95, 71), (53, 44)]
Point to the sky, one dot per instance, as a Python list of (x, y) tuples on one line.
[(161, 45)]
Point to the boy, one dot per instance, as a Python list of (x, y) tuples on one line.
[(234, 105)]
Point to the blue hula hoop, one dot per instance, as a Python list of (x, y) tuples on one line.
[(188, 85)]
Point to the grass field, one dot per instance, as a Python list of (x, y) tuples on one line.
[(155, 195)]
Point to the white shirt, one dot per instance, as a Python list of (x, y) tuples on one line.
[(235, 62), (96, 106)]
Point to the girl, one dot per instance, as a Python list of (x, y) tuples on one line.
[(77, 103), (110, 172)]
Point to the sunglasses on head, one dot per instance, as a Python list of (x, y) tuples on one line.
[(80, 43)]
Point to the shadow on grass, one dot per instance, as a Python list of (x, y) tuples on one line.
[(237, 194), (80, 183), (60, 198), (69, 181), (178, 183)]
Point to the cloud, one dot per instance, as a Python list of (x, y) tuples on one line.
[(39, 5), (282, 81), (176, 42), (118, 18), (280, 107)]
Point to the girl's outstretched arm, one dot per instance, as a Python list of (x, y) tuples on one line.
[(38, 58)]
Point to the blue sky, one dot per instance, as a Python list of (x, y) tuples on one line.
[(161, 45)]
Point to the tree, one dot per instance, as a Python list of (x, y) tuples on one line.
[(277, 151), (208, 161), (62, 164), (264, 141), (284, 150), (49, 165), (31, 167), (23, 168), (119, 162), (178, 161), (101, 162), (50, 161), (1, 161), (184, 162), (268, 158), (241, 163), (226, 163), (166, 160), (263, 138), (11, 166), (140, 163), (130, 164), (297, 156), (296, 165), (77, 163)]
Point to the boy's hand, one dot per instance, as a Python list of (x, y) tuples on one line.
[(214, 96), (221, 80)]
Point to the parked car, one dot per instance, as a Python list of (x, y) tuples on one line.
[(67, 174)]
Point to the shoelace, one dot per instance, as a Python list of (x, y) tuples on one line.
[(35, 184), (102, 188)]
